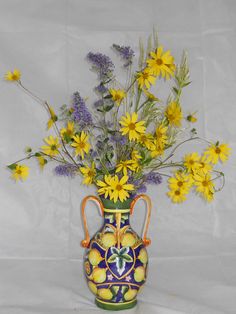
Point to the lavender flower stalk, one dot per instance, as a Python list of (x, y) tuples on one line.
[(101, 89), (126, 53), (102, 64), (81, 113), (153, 178), (66, 170)]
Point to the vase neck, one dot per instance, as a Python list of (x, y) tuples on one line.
[(117, 219)]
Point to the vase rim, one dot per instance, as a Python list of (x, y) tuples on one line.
[(108, 204)]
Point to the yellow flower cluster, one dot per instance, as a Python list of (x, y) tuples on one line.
[(117, 95), (114, 187), (160, 64), (198, 173), (148, 125)]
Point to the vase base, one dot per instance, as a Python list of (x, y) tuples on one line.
[(115, 306)]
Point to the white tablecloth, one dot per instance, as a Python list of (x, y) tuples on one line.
[(193, 252)]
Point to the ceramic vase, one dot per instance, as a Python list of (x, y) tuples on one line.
[(116, 259)]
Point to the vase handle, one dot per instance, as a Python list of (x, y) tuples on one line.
[(147, 199), (86, 241)]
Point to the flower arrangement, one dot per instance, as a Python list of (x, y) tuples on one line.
[(130, 137)]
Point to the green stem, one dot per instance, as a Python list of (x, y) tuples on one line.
[(22, 159), (162, 166), (138, 99), (143, 104), (46, 106), (177, 146)]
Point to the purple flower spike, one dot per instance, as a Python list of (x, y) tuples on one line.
[(118, 138), (98, 103), (81, 113), (66, 170), (142, 189), (101, 88), (125, 52), (153, 178), (102, 64)]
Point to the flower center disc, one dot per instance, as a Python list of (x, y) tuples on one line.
[(132, 126), (118, 187), (159, 62)]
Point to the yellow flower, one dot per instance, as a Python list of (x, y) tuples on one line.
[(135, 155), (157, 149), (217, 152), (125, 166), (174, 114), (146, 140), (204, 166), (115, 188), (180, 181), (13, 75), (120, 188), (53, 118), (191, 118), (20, 172), (53, 145), (68, 132), (135, 160), (160, 141), (161, 63), (161, 135), (150, 96), (145, 78), (42, 162), (117, 95), (177, 195), (81, 144), (131, 126), (191, 162), (204, 185), (105, 186), (136, 165), (88, 173)]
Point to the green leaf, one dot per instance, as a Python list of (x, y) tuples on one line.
[(175, 90), (67, 138), (37, 154), (54, 118), (108, 108), (107, 96), (28, 150), (120, 265), (127, 258), (194, 131), (142, 154), (112, 258), (114, 250), (114, 289), (100, 110), (186, 84), (124, 289), (124, 250), (12, 166)]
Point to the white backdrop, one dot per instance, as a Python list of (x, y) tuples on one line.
[(193, 252)]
